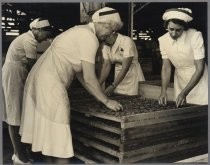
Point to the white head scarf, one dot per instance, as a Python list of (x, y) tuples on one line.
[(106, 15), (37, 23), (184, 14)]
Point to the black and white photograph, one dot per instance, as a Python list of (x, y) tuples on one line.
[(104, 82)]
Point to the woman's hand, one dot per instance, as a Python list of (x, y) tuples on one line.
[(165, 79), (113, 105), (181, 99), (109, 90), (163, 99)]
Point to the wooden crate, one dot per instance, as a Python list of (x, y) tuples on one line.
[(143, 130)]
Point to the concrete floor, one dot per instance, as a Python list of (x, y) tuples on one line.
[(196, 159), (8, 152)]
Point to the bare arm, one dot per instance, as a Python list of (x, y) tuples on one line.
[(94, 87), (165, 79), (106, 67), (79, 76), (199, 66), (125, 67)]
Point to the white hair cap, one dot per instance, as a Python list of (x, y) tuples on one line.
[(184, 14), (106, 15), (37, 23)]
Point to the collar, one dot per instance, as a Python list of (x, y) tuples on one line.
[(181, 39), (32, 35), (92, 26)]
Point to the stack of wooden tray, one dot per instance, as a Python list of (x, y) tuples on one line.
[(143, 130)]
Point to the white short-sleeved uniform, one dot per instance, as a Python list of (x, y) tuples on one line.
[(46, 108), (182, 53), (122, 48), (14, 74)]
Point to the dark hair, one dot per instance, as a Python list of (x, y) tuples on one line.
[(176, 21)]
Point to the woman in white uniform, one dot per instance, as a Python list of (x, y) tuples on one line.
[(183, 48), (121, 51), (46, 108), (20, 57)]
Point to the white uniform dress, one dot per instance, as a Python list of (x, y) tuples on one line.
[(182, 53), (14, 73), (46, 108), (122, 48)]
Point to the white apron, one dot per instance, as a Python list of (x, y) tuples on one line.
[(129, 85), (14, 73), (46, 109), (122, 48), (182, 53), (13, 80), (199, 94)]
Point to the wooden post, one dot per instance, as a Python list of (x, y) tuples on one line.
[(130, 20)]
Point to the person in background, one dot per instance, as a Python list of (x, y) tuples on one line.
[(121, 51), (183, 47), (20, 57), (46, 107)]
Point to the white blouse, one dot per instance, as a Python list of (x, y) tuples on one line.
[(23, 46), (122, 48), (77, 44), (183, 51)]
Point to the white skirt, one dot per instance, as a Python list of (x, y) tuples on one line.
[(13, 81), (130, 84), (199, 94), (48, 137), (45, 121)]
